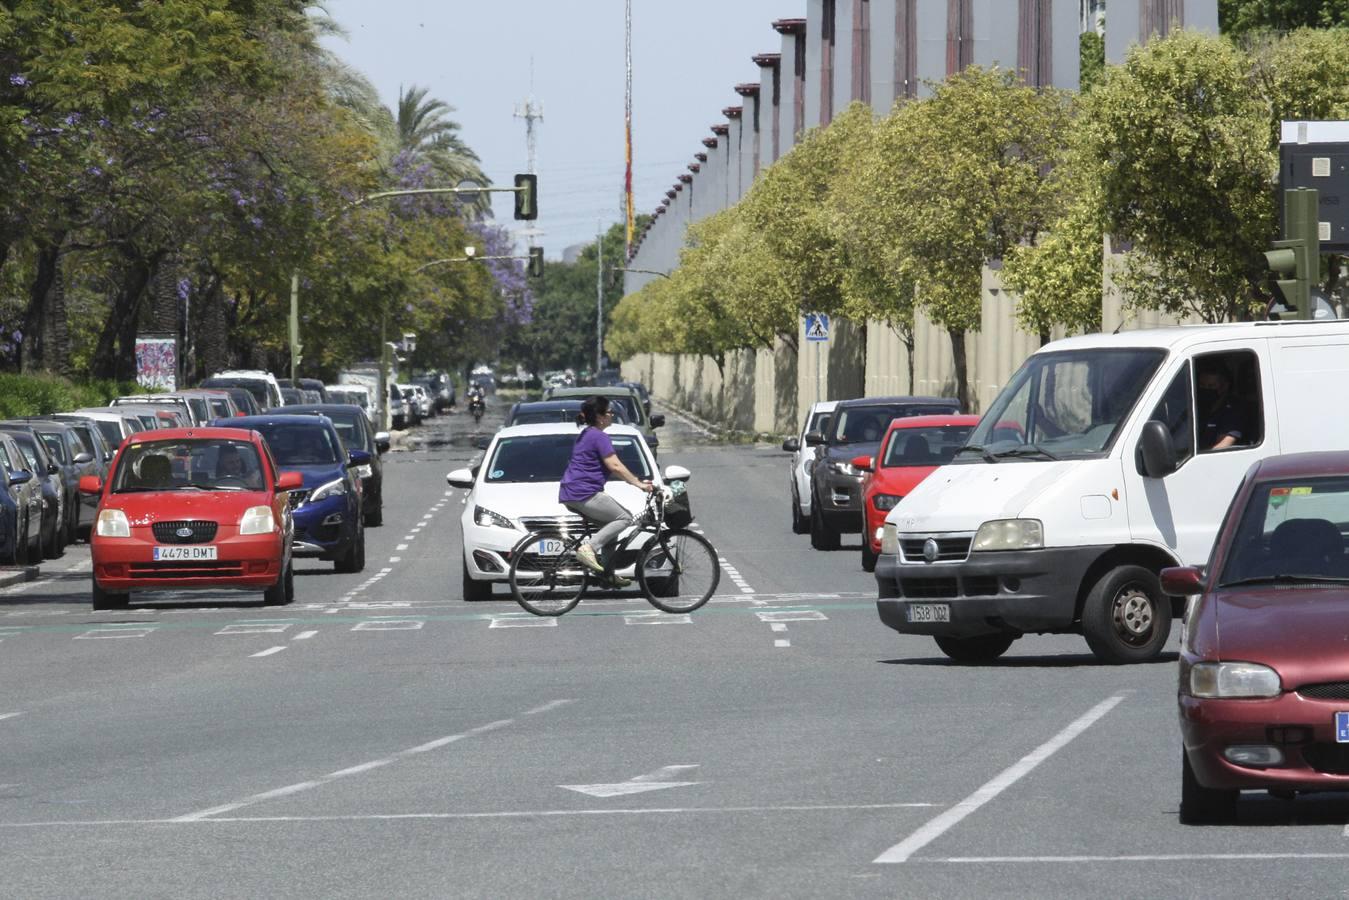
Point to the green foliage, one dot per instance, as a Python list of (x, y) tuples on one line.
[(1240, 17), (37, 395), (1091, 60)]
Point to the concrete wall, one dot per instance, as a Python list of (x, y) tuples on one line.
[(1127, 18)]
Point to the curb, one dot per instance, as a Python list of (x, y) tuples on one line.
[(18, 574), (712, 429)]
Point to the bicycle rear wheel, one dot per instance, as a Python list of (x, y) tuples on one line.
[(678, 571), (543, 580)]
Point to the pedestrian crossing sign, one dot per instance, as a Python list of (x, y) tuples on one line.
[(817, 327)]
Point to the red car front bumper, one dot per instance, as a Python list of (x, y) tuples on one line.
[(1302, 728), (246, 563)]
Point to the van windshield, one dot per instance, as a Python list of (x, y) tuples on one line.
[(1062, 405)]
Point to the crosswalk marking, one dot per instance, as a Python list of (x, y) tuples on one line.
[(656, 618), (388, 625), (790, 615), (255, 628), (524, 621), (121, 631)]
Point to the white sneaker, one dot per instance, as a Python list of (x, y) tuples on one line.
[(586, 554)]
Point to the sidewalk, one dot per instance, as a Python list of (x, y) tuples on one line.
[(10, 575)]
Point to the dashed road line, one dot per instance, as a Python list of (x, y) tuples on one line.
[(655, 617), (4, 716), (777, 626), (389, 625), (782, 642), (304, 635), (269, 651), (528, 621), (120, 631), (401, 547), (790, 615), (395, 559), (255, 628)]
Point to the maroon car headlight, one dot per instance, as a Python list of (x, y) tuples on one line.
[(1233, 680), (886, 502)]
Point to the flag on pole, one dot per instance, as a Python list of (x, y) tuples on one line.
[(627, 178)]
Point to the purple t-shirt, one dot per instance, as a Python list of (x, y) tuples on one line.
[(586, 474)]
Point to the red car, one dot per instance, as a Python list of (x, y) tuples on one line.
[(910, 450), (192, 508), (1264, 663)]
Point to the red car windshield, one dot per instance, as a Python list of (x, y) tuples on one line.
[(1291, 531), (201, 464), (935, 445)]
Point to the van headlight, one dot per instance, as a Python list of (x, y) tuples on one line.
[(113, 523), (257, 520), (886, 502), (335, 488), (1226, 680), (488, 519), (844, 468), (1010, 534), (889, 539)]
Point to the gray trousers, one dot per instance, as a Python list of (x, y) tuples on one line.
[(601, 509)]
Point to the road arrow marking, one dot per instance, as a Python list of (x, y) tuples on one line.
[(652, 781)]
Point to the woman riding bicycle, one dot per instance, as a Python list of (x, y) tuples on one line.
[(593, 461)]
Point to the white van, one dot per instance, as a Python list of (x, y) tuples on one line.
[(262, 385), (1090, 472)]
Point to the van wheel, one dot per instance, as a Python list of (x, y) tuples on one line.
[(984, 648), (107, 600), (800, 524), (1126, 619), (822, 537), (476, 591), (1200, 805)]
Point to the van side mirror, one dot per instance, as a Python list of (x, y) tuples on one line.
[(1159, 455), (814, 438), (1182, 581), (791, 445), (83, 458)]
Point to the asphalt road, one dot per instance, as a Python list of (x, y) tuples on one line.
[(381, 738)]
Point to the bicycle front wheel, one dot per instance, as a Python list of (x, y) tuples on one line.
[(678, 571), (546, 578)]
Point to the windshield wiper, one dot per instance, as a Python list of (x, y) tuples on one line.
[(976, 448), (1286, 579), (1026, 450)]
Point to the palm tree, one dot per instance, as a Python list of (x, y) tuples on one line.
[(427, 135)]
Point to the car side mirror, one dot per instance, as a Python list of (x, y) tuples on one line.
[(1182, 581), (356, 458), (23, 476), (677, 473), (89, 484), (460, 478), (791, 445), (1159, 455), (108, 455), (83, 458), (53, 469), (289, 481), (382, 441), (814, 438), (658, 421), (862, 462)]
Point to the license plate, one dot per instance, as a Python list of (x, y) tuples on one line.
[(929, 612), (550, 547), (184, 554), (1342, 727)]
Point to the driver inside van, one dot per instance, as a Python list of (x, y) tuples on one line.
[(1222, 423)]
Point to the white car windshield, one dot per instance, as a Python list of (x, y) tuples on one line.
[(544, 457)]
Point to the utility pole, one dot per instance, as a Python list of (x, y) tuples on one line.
[(599, 297), (627, 111)]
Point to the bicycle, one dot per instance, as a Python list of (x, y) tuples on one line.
[(677, 569)]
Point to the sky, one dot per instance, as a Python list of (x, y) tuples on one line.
[(477, 57)]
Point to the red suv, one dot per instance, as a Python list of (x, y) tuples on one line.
[(192, 508), (910, 451), (1264, 673)]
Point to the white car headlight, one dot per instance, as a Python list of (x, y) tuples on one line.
[(112, 523), (1233, 680), (488, 519), (335, 488), (889, 539), (257, 520), (1010, 534)]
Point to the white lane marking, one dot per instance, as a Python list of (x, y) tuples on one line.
[(331, 611), (120, 631), (529, 621), (792, 615), (551, 705), (782, 642), (383, 572), (449, 493), (401, 547), (651, 781), (388, 625), (427, 516), (27, 586), (268, 652), (395, 559), (255, 628), (1002, 781), (380, 604), (286, 791), (655, 617), (777, 626), (304, 635), (409, 537), (1142, 857), (9, 715)]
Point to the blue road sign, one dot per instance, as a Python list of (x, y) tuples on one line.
[(817, 327)]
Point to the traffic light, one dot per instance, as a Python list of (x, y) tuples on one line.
[(535, 262), (1297, 259), (527, 197)]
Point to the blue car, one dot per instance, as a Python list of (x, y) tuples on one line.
[(327, 511)]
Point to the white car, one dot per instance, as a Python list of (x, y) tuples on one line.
[(514, 491), (803, 455)]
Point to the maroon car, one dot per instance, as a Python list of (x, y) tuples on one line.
[(1264, 661)]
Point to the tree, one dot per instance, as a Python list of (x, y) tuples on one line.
[(1091, 60), (1240, 17)]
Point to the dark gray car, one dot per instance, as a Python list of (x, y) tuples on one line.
[(48, 475), (855, 429)]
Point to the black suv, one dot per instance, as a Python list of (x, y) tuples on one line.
[(855, 429)]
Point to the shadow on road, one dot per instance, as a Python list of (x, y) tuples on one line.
[(1258, 809), (1060, 661)]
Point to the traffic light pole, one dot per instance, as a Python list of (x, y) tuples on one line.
[(1296, 260)]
